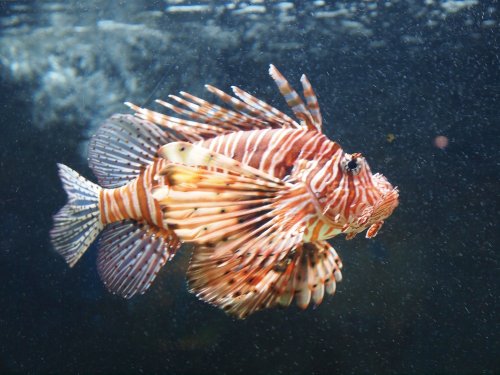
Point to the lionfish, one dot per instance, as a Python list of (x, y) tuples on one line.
[(257, 192)]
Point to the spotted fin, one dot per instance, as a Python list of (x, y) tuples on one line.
[(211, 197), (207, 206), (189, 154), (305, 273), (131, 254), (122, 147)]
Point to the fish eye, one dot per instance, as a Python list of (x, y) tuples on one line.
[(352, 163)]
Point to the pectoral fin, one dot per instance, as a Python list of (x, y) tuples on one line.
[(211, 198), (192, 155), (305, 273)]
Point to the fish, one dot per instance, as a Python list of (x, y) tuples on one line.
[(256, 192)]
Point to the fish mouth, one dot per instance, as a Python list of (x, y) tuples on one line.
[(385, 205), (372, 217)]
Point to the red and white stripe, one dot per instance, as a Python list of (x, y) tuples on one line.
[(133, 200)]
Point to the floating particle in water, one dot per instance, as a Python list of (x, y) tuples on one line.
[(391, 137), (441, 142)]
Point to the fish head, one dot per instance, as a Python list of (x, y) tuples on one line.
[(358, 199)]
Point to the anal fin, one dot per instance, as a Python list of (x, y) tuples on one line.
[(131, 254)]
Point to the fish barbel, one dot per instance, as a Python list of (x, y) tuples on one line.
[(257, 192)]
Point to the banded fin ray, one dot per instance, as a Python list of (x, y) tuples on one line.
[(219, 205), (131, 254), (207, 120), (312, 102), (247, 202), (246, 116), (312, 121), (244, 220), (201, 110), (122, 147), (265, 111), (189, 130)]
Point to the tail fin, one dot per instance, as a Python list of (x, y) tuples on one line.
[(78, 223)]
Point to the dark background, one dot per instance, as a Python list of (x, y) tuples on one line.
[(422, 297)]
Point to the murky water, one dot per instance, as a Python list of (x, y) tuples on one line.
[(391, 76)]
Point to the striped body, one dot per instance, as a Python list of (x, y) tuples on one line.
[(133, 200), (309, 156), (305, 155), (274, 151), (287, 153)]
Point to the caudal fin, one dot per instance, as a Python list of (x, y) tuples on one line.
[(78, 223)]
